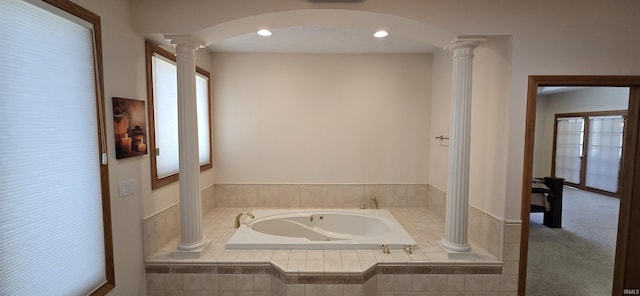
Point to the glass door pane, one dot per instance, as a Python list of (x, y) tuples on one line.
[(569, 146), (604, 150)]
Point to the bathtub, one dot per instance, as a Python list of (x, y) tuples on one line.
[(319, 230)]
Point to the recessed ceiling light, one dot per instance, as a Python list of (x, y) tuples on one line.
[(264, 33), (381, 34)]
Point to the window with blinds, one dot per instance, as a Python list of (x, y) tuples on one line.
[(163, 97), (588, 149), (569, 148), (55, 230)]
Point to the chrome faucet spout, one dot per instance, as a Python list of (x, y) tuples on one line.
[(375, 200), (237, 224)]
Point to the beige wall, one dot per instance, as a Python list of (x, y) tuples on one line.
[(490, 94), (321, 118), (124, 76), (440, 119), (490, 101), (582, 100), (549, 38)]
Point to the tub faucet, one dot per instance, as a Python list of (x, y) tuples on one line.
[(240, 215), (375, 200)]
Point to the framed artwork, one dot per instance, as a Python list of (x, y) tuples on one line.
[(129, 127)]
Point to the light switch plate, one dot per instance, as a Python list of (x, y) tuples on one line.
[(126, 188)]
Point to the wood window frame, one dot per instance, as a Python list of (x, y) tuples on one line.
[(626, 271), (150, 49)]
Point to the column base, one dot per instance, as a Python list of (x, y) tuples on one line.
[(456, 251), (190, 252)]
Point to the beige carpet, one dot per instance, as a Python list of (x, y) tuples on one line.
[(578, 258)]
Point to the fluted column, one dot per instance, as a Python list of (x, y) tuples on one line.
[(456, 220), (190, 203)]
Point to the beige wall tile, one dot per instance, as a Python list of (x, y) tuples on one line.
[(419, 283), (402, 283), (331, 196), (417, 196), (210, 282), (247, 196), (228, 282), (473, 283), (289, 196), (491, 283), (353, 196), (378, 191), (155, 235), (436, 201), (437, 283), (225, 195), (370, 287), (512, 233), (333, 290), (396, 196), (268, 195), (511, 252), (510, 267), (355, 290), (192, 282), (314, 290), (262, 282), (175, 282), (245, 282), (295, 290), (455, 283), (311, 196), (156, 281), (157, 293), (509, 283), (385, 282)]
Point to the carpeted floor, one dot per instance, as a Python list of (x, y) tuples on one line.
[(576, 259)]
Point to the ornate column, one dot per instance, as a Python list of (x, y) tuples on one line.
[(192, 240), (455, 232)]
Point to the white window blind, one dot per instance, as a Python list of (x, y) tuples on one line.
[(165, 94), (569, 146), (51, 224), (604, 152), (202, 95)]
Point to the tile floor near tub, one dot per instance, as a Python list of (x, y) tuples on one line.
[(347, 268)]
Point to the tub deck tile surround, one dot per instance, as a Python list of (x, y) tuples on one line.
[(330, 269)]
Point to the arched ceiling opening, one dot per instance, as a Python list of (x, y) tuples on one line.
[(324, 31)]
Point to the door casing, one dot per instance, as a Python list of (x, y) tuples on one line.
[(626, 273)]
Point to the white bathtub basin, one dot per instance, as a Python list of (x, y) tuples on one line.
[(319, 229)]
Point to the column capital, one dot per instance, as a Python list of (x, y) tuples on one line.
[(184, 40), (466, 42)]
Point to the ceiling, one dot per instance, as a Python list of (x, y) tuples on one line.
[(324, 31), (323, 38)]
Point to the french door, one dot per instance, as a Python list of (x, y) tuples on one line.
[(588, 150)]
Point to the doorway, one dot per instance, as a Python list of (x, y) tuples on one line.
[(626, 272)]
